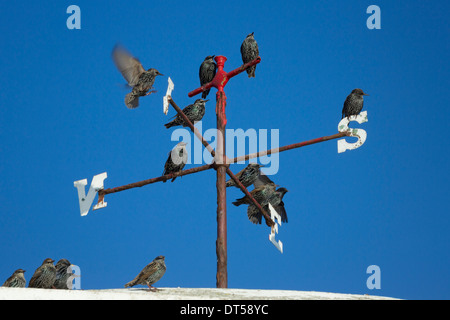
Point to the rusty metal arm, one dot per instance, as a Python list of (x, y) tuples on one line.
[(242, 68), (288, 147), (142, 183), (201, 89)]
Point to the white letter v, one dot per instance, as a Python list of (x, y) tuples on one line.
[(96, 185)]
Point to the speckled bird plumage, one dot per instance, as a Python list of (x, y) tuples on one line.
[(134, 73), (353, 103), (207, 71), (194, 112), (62, 276), (44, 276), (276, 200), (246, 176), (152, 273), (249, 52), (17, 280), (177, 159), (260, 194)]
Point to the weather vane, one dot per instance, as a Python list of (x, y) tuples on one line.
[(218, 79)]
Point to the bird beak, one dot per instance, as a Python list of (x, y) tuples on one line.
[(205, 100), (160, 74), (365, 94)]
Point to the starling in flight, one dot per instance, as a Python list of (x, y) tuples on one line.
[(207, 72), (150, 274), (249, 52), (62, 274), (246, 176), (194, 112), (134, 73), (44, 276), (17, 280), (177, 159), (354, 103)]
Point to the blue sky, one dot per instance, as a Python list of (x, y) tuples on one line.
[(62, 119)]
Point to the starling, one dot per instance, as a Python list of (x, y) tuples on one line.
[(134, 73), (354, 103), (62, 274), (276, 200), (246, 176), (262, 180), (177, 160), (152, 273), (261, 195), (207, 72), (17, 280), (249, 52), (194, 112), (44, 276)]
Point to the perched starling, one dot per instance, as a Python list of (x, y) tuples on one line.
[(177, 159), (262, 180), (17, 280), (194, 112), (354, 103), (62, 274), (152, 273), (249, 52), (44, 276), (134, 73), (261, 195), (276, 200), (207, 72), (246, 176)]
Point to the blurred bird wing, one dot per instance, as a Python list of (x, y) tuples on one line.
[(129, 66), (262, 180)]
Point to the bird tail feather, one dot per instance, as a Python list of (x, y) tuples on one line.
[(131, 283), (169, 125), (251, 72), (132, 100), (205, 93)]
